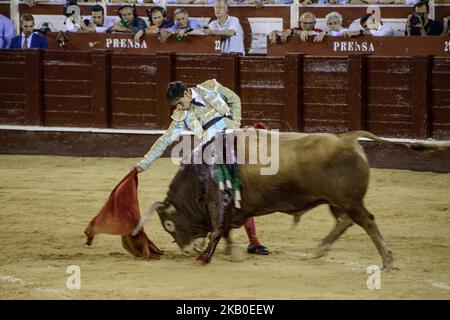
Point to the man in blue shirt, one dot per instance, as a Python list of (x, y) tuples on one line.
[(183, 24), (6, 32)]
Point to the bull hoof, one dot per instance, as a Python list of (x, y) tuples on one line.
[(89, 240), (316, 254), (201, 262), (388, 264)]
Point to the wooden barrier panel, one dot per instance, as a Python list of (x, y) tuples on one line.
[(377, 46), (391, 96), (388, 96), (440, 98), (123, 42), (262, 91), (12, 87), (68, 88)]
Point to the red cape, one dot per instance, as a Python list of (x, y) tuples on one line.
[(120, 215)]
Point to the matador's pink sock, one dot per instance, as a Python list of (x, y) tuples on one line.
[(250, 228)]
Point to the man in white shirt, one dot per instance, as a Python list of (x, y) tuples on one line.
[(333, 22), (229, 28), (371, 27), (97, 22)]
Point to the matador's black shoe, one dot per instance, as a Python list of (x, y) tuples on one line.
[(258, 250)]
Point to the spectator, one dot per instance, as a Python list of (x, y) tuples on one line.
[(6, 32), (307, 28), (371, 27), (158, 19), (333, 22), (97, 22), (129, 1), (129, 20), (192, 1), (418, 23), (333, 2), (159, 24), (408, 2), (229, 28), (278, 1), (446, 31), (305, 2), (183, 24), (28, 39)]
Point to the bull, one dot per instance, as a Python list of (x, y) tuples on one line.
[(314, 169)]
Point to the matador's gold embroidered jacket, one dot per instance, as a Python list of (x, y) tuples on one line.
[(217, 100)]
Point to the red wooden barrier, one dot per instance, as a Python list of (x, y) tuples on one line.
[(377, 46), (390, 96), (124, 42)]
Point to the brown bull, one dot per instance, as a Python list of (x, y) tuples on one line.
[(314, 169)]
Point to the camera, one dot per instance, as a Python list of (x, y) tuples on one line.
[(416, 19), (43, 29)]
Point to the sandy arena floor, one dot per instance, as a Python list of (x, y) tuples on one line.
[(46, 203)]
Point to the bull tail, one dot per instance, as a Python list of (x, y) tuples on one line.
[(417, 146)]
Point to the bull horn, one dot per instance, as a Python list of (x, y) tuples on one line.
[(145, 216)]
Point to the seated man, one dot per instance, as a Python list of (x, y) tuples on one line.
[(371, 27), (205, 110), (229, 28), (307, 28), (97, 22), (158, 20), (28, 39), (190, 1), (333, 22), (419, 24), (159, 24), (129, 20), (446, 31), (305, 2), (410, 2), (183, 24)]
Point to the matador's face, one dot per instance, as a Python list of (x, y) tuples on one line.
[(184, 102)]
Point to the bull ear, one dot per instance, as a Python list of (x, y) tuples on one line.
[(146, 215)]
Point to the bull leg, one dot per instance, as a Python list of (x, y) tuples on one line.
[(229, 243), (343, 222), (219, 209), (361, 216)]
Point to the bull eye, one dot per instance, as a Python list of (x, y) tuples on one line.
[(169, 225)]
